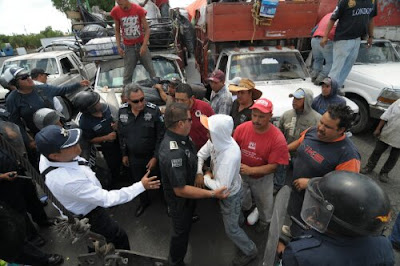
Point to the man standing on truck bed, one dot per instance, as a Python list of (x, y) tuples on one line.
[(355, 22), (130, 20)]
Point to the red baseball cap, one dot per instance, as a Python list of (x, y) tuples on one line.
[(217, 76), (264, 105)]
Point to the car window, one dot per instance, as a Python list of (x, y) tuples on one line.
[(48, 64), (267, 66), (66, 65), (114, 78), (379, 53)]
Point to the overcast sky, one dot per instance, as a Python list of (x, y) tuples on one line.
[(33, 16)]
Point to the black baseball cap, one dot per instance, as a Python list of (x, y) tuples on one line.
[(53, 138), (37, 71)]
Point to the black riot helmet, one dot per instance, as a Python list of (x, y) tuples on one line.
[(346, 203), (85, 101)]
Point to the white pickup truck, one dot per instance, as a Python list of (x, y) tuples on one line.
[(374, 81), (64, 67), (276, 72)]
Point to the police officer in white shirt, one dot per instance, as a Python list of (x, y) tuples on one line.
[(76, 187)]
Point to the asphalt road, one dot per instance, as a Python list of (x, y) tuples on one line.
[(149, 234)]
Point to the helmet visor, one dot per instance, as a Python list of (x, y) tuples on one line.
[(316, 211)]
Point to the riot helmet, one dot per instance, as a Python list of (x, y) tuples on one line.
[(87, 102), (346, 203), (45, 117), (11, 74)]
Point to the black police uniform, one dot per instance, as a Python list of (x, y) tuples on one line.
[(140, 139), (178, 166), (93, 127), (317, 249)]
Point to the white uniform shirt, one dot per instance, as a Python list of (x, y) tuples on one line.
[(390, 131), (78, 189)]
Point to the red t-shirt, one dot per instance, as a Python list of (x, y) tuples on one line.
[(320, 31), (130, 23), (198, 132), (160, 2), (269, 147)]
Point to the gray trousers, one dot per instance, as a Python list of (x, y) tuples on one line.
[(132, 55), (231, 210), (262, 190)]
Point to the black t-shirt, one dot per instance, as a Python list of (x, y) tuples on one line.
[(354, 17), (239, 117)]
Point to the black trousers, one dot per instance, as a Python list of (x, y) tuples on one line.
[(380, 148), (137, 166), (181, 225), (101, 223), (112, 154), (30, 255)]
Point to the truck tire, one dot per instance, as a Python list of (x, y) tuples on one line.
[(362, 118)]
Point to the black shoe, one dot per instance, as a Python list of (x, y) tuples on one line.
[(37, 240), (140, 209), (195, 218), (54, 259)]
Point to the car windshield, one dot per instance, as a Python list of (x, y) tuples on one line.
[(48, 64), (268, 66), (379, 53), (113, 78)]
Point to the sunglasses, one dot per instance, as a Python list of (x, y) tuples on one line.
[(24, 77), (137, 101)]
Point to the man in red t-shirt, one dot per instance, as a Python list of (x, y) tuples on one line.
[(198, 132), (263, 148), (130, 22)]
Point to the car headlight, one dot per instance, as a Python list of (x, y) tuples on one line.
[(389, 95)]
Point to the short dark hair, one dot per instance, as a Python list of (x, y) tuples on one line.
[(185, 88), (343, 113), (175, 112), (132, 87)]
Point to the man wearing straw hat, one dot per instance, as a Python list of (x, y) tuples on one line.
[(246, 95)]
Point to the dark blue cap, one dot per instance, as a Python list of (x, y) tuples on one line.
[(53, 138)]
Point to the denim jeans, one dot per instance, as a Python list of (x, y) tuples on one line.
[(164, 10), (262, 190), (345, 53), (230, 210), (132, 54), (280, 176), (321, 54), (395, 236), (380, 148)]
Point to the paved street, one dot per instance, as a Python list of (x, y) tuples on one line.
[(149, 234)]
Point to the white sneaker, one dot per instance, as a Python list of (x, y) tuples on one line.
[(286, 231), (253, 217)]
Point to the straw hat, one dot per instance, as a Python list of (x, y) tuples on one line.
[(246, 85)]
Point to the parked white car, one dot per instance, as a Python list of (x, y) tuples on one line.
[(374, 81)]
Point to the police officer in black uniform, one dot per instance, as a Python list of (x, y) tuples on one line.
[(347, 213), (98, 127), (178, 165), (141, 129)]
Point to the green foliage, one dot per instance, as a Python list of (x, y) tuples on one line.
[(30, 41), (70, 5)]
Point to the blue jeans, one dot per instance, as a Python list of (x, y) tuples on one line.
[(164, 10), (230, 209), (395, 236), (132, 55), (321, 54), (345, 53), (280, 176)]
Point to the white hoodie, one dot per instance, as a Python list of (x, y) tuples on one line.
[(225, 155)]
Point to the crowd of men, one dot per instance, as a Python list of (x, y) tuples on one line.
[(225, 148)]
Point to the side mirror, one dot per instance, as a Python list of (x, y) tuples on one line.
[(74, 71)]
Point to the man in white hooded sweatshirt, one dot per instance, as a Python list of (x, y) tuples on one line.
[(225, 167)]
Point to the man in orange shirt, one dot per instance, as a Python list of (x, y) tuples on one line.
[(320, 150)]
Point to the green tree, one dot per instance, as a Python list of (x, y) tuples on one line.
[(68, 5)]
